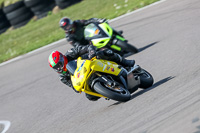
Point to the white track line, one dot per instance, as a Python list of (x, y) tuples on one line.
[(6, 125), (138, 10)]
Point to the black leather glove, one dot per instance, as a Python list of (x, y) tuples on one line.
[(92, 51), (66, 79)]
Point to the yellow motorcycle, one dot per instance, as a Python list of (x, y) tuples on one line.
[(107, 79)]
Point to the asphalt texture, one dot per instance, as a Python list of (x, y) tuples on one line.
[(168, 36)]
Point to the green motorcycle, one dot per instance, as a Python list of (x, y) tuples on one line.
[(102, 35)]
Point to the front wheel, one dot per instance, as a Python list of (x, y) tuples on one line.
[(117, 93), (146, 79)]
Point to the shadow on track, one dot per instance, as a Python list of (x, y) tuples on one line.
[(198, 127), (152, 87), (140, 49), (145, 47), (146, 90)]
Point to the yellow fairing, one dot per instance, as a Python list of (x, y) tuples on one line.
[(86, 67), (80, 75), (105, 67)]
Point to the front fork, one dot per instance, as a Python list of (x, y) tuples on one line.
[(127, 78), (103, 79)]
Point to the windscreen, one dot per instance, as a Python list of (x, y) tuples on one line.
[(91, 30)]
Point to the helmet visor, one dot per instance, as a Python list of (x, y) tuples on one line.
[(59, 66), (68, 28)]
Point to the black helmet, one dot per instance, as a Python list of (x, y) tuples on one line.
[(66, 24)]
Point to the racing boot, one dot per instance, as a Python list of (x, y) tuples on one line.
[(124, 62), (108, 54), (127, 63)]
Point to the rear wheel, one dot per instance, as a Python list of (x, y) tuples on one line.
[(117, 93), (126, 47), (131, 48), (146, 79)]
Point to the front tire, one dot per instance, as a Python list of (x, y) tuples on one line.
[(119, 93), (146, 79)]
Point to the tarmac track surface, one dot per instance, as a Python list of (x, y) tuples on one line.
[(34, 100)]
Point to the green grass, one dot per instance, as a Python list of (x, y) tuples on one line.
[(44, 31)]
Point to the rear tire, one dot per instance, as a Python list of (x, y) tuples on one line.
[(65, 3), (146, 80), (31, 3), (122, 96), (131, 48), (13, 7), (4, 24), (126, 47), (25, 17), (17, 13)]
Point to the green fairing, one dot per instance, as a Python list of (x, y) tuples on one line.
[(120, 38), (100, 42), (115, 47), (107, 29), (51, 60)]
